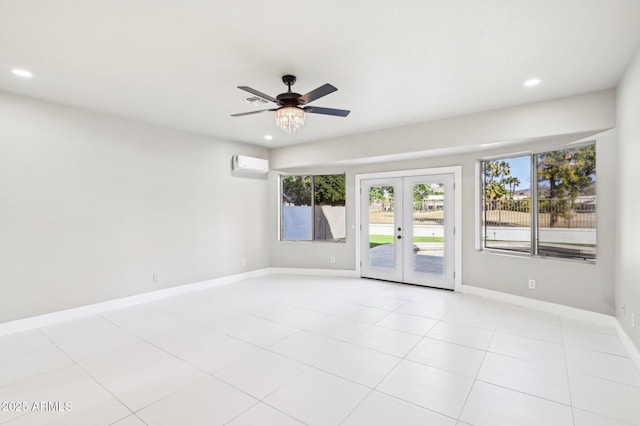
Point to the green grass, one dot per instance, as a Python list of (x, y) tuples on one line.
[(378, 240)]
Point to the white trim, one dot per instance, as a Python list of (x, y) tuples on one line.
[(633, 350), (457, 178), (357, 202), (541, 305), (457, 214), (477, 201), (96, 308), (412, 172), (321, 272)]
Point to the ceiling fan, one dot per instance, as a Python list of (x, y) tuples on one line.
[(292, 106)]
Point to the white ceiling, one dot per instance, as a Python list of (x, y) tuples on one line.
[(177, 63)]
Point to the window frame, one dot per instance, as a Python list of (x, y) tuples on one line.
[(534, 203), (313, 205)]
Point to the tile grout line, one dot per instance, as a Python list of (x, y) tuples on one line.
[(566, 366), (422, 337), (525, 393), (132, 412), (207, 374), (312, 366), (375, 388), (70, 363), (484, 357)]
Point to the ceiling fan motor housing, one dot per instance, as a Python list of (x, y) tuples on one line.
[(289, 98)]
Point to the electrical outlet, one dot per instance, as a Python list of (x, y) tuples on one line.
[(332, 259), (243, 262), (156, 278), (532, 284), (633, 320)]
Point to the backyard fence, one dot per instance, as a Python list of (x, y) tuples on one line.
[(552, 213), (434, 215)]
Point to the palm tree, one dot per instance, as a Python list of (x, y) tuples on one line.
[(495, 173), (512, 182)]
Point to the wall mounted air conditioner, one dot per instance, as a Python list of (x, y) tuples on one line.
[(245, 164)]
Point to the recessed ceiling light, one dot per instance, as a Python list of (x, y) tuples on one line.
[(268, 137), (22, 73), (532, 82)]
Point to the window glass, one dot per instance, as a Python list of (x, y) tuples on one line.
[(564, 191), (567, 203), (507, 204), (313, 208), (329, 207), (297, 208)]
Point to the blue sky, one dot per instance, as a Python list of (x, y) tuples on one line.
[(521, 168)]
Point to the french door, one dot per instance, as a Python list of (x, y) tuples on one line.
[(408, 228)]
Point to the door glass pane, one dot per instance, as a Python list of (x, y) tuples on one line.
[(428, 228), (381, 227)]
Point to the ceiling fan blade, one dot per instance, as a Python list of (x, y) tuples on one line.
[(251, 112), (317, 93), (262, 95), (326, 111)]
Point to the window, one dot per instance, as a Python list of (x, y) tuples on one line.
[(313, 208), (507, 204), (553, 216)]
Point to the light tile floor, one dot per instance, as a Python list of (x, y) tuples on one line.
[(291, 350)]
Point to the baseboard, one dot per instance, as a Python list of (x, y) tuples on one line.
[(540, 305), (96, 308), (633, 350), (320, 272)]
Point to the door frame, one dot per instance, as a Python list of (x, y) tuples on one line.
[(457, 214)]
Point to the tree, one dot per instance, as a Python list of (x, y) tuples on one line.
[(326, 190), (381, 194), (568, 172), (296, 190), (495, 173), (512, 183), (329, 190), (421, 191)]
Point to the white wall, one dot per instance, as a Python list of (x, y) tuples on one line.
[(578, 284), (628, 201), (92, 206), (590, 112)]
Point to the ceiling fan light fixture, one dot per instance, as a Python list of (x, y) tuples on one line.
[(291, 106), (290, 119)]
